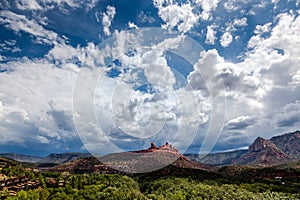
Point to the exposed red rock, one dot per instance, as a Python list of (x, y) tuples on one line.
[(164, 148), (261, 144), (153, 146), (264, 152)]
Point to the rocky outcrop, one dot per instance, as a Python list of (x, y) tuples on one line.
[(153, 146), (165, 147), (261, 144), (264, 152)]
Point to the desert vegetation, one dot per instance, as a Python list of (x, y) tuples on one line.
[(64, 185)]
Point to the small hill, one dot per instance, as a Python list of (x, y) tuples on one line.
[(6, 162), (80, 166), (62, 158)]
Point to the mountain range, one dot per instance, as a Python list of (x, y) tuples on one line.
[(267, 152), (277, 150), (50, 159)]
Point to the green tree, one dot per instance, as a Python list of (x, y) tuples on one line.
[(44, 194), (22, 195)]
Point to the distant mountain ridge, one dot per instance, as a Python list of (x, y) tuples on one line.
[(277, 150), (21, 157), (51, 158), (216, 159), (64, 157)]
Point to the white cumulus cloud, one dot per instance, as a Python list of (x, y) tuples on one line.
[(240, 22), (241, 122), (211, 34), (208, 6), (107, 19), (226, 39), (174, 15)]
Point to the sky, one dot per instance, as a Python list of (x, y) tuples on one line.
[(108, 76)]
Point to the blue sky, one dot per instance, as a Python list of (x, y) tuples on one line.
[(110, 76)]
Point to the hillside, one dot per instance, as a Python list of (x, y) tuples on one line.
[(6, 162), (289, 143), (141, 161)]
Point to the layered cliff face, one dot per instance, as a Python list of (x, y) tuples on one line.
[(264, 152), (261, 144)]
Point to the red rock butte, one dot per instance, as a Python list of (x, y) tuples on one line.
[(166, 148)]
